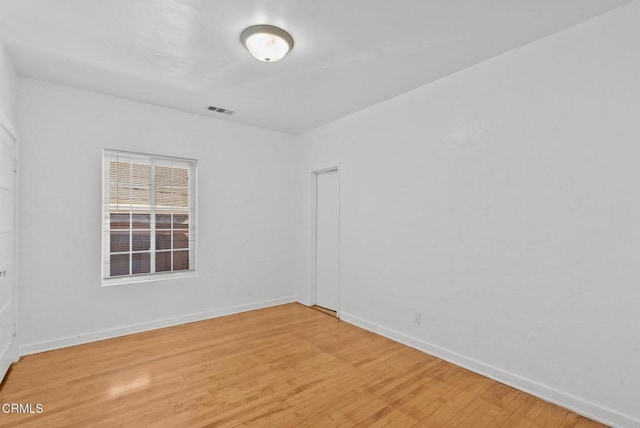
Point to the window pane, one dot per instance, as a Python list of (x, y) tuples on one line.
[(140, 221), (181, 260), (119, 264), (120, 221), (163, 221), (140, 263), (180, 198), (113, 171), (141, 241), (119, 173), (141, 175), (163, 240), (119, 241), (140, 199), (180, 177), (180, 221), (119, 198), (163, 176), (181, 239), (163, 261), (163, 198)]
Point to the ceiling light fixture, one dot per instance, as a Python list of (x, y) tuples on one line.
[(266, 42)]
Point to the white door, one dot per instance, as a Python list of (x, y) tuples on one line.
[(8, 347), (327, 240)]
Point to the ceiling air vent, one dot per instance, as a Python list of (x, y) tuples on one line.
[(220, 110)]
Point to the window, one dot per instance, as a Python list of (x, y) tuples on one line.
[(149, 217)]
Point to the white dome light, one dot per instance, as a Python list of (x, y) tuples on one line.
[(267, 43)]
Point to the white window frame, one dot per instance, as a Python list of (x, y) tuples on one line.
[(192, 165)]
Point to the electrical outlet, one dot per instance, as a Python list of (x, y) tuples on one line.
[(417, 317)]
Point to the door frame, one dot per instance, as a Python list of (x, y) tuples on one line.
[(313, 230), (13, 134)]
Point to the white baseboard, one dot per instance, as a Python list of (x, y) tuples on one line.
[(64, 342), (571, 402)]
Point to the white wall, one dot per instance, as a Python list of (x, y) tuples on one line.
[(503, 202), (245, 216), (7, 87)]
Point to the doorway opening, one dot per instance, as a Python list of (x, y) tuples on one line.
[(325, 293)]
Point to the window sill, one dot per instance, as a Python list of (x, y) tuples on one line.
[(107, 282)]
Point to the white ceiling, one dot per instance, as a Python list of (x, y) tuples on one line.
[(348, 54)]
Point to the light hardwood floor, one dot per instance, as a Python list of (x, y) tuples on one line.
[(283, 366)]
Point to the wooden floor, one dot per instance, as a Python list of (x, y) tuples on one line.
[(283, 366)]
